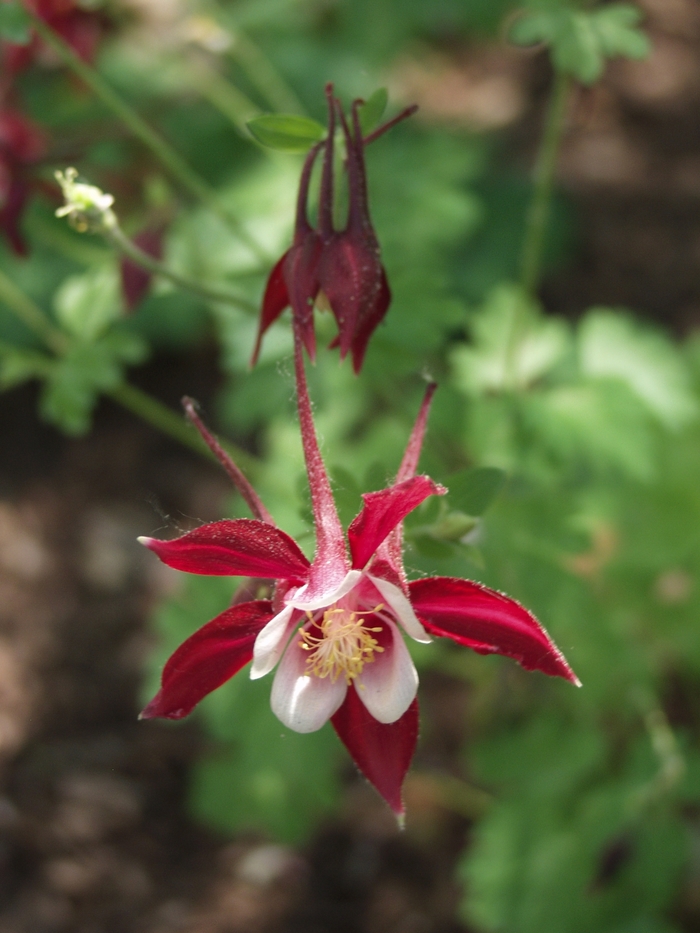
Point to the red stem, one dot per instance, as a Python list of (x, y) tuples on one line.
[(250, 496)]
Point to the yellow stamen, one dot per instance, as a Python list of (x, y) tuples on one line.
[(344, 646)]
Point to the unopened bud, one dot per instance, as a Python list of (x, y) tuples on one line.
[(87, 207)]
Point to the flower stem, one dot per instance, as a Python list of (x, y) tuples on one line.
[(31, 315), (538, 214), (263, 74), (165, 420), (128, 396), (118, 238), (223, 95), (140, 128), (236, 475)]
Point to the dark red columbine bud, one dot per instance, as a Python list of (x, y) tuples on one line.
[(342, 265), (21, 144), (293, 279), (135, 279), (350, 273)]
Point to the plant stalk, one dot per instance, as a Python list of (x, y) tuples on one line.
[(168, 156), (117, 237), (538, 213), (168, 422), (128, 396), (31, 315)]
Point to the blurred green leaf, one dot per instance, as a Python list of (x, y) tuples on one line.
[(75, 381), (17, 366), (88, 303), (259, 778), (513, 345), (15, 24), (286, 132), (373, 109), (612, 345), (582, 40), (473, 490)]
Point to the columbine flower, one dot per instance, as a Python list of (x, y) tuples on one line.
[(340, 269), (21, 145), (334, 628)]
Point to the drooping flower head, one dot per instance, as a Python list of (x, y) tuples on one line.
[(334, 628), (338, 268), (22, 144)]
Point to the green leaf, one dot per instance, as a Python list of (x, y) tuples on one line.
[(17, 366), (513, 345), (577, 48), (612, 345), (616, 27), (581, 40), (88, 303), (286, 132), (373, 109), (472, 491), (259, 779), (77, 379), (15, 24)]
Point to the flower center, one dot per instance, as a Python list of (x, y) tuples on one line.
[(343, 647)]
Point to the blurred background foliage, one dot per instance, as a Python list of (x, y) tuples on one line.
[(581, 436)]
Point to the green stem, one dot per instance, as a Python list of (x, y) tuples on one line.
[(263, 74), (538, 214), (118, 238), (130, 397), (31, 315), (160, 148), (168, 422), (223, 95)]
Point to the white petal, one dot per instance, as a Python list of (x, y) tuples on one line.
[(301, 701), (327, 599), (388, 684), (403, 609), (270, 643)]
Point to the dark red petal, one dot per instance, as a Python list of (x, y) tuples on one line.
[(300, 275), (208, 659), (382, 752), (369, 321), (242, 547), (275, 300), (350, 274), (488, 622), (383, 511)]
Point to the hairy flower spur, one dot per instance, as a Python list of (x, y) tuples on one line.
[(340, 268), (334, 627)]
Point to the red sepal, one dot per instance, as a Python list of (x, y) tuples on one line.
[(381, 751), (488, 622), (275, 300), (244, 547), (383, 511), (208, 659)]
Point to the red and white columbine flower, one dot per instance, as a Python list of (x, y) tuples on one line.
[(334, 628)]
